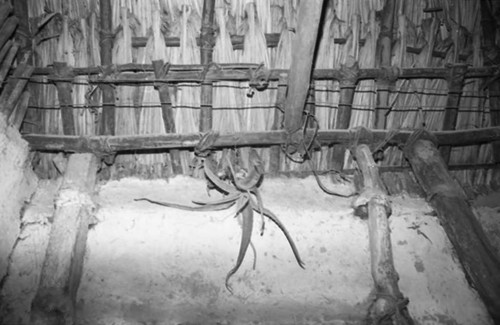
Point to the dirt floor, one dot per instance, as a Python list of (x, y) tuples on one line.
[(148, 264)]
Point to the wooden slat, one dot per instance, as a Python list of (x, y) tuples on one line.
[(207, 43), (267, 138)]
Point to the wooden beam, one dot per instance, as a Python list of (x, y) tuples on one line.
[(23, 33), (136, 73), (107, 125), (109, 144), (207, 42), (55, 300), (389, 302), (309, 15), (167, 113), (475, 253), (275, 151), (8, 29), (9, 59)]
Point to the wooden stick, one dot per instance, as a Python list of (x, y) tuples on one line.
[(107, 125), (23, 33), (7, 63), (14, 88), (5, 10), (5, 49), (55, 300), (64, 90), (167, 113), (480, 263), (17, 116), (108, 144), (7, 29), (207, 43), (389, 301), (455, 87), (309, 15)]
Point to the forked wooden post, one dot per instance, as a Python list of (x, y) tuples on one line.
[(54, 302), (167, 112), (478, 258), (389, 301), (64, 90)]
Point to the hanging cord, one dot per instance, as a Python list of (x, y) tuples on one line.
[(305, 148)]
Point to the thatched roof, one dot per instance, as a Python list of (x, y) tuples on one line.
[(442, 45)]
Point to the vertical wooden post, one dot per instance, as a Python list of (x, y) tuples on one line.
[(107, 125), (389, 302), (348, 83), (167, 112), (384, 87), (479, 260), (274, 157), (455, 86), (207, 43), (383, 58), (55, 300), (64, 90), (309, 16)]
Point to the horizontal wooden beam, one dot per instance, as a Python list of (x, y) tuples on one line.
[(110, 144), (144, 73)]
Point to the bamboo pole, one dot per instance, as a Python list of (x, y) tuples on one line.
[(108, 144), (55, 300), (309, 15), (207, 43), (389, 302), (455, 88), (64, 90), (107, 126), (474, 251), (167, 113)]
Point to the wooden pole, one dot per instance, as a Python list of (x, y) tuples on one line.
[(455, 87), (7, 29), (7, 63), (478, 258), (55, 300), (107, 125), (110, 144), (17, 116), (167, 113), (309, 15), (23, 33), (389, 302), (64, 90), (207, 43)]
